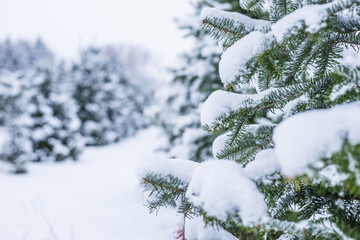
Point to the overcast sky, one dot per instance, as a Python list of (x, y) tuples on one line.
[(66, 25)]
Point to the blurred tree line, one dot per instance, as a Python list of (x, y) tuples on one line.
[(50, 109)]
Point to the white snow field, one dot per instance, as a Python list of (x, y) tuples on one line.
[(96, 198)]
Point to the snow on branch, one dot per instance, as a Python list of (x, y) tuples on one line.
[(229, 27), (219, 143), (180, 168), (264, 164), (313, 16), (221, 103), (306, 138), (237, 18), (236, 60), (222, 189), (196, 229), (239, 59)]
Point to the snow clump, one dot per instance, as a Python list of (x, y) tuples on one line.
[(222, 188)]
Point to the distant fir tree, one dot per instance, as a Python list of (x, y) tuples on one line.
[(16, 146), (53, 123), (38, 111), (110, 100), (193, 81), (288, 158)]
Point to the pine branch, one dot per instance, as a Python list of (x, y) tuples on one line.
[(247, 143), (281, 8), (224, 30), (302, 57), (328, 54), (345, 25), (275, 99), (165, 190), (338, 6), (253, 6)]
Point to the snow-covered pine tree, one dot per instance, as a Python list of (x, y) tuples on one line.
[(15, 145), (37, 115), (51, 112), (296, 173), (110, 100)]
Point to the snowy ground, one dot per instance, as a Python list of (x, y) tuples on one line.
[(95, 198)]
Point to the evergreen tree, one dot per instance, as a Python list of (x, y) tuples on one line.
[(53, 123), (192, 83), (288, 157), (15, 146), (110, 101), (38, 114)]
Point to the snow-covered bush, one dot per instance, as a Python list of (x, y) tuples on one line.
[(287, 158), (111, 99)]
